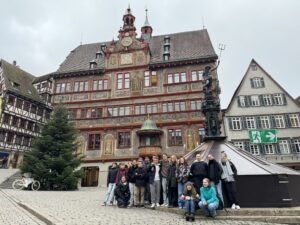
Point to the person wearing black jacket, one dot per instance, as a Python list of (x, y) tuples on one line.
[(131, 180), (199, 171), (111, 184), (214, 174), (228, 177), (172, 183), (140, 183), (147, 194), (122, 193)]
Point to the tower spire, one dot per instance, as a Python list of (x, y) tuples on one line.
[(146, 29)]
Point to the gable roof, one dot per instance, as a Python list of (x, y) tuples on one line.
[(14, 75), (183, 46), (267, 74)]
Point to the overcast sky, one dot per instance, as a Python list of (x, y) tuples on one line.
[(40, 34)]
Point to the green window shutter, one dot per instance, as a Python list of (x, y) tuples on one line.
[(261, 100), (252, 83), (258, 122), (292, 146), (273, 99), (230, 123), (262, 149), (248, 100), (238, 101), (273, 123), (284, 99), (247, 147), (244, 124), (287, 120), (262, 82)]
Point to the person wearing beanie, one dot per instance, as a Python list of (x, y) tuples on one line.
[(189, 197)]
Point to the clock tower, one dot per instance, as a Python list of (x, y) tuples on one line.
[(128, 28)]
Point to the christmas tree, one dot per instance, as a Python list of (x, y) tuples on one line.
[(53, 159)]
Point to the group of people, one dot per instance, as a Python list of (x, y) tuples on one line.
[(173, 183)]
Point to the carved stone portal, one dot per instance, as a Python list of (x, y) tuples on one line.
[(109, 141)]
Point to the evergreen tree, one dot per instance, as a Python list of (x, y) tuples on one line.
[(53, 159)]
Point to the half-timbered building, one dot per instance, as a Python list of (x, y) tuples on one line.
[(22, 112)]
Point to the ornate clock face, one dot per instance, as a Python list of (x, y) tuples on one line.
[(126, 41)]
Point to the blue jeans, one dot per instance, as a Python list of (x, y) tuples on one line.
[(209, 209), (180, 191), (190, 206), (110, 192)]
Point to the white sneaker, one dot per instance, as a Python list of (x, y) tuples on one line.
[(157, 204), (104, 204), (233, 206), (166, 205), (237, 207), (153, 205)]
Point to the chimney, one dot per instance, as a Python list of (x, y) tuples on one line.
[(15, 63)]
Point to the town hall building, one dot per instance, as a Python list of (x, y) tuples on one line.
[(139, 95)]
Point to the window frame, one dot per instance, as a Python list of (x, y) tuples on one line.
[(124, 144), (94, 146), (124, 81), (175, 141)]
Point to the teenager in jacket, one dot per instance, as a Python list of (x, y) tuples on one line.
[(199, 171), (209, 200), (154, 180), (189, 197), (164, 170), (140, 183), (182, 172), (122, 193), (131, 180), (172, 183), (111, 184), (228, 177), (214, 174), (147, 195), (122, 171)]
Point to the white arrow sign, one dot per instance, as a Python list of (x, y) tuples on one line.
[(271, 136)]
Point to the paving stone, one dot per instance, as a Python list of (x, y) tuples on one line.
[(84, 207)]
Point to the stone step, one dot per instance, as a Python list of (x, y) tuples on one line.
[(7, 183), (265, 212)]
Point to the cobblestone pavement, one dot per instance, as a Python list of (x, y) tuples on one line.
[(12, 214), (84, 207)]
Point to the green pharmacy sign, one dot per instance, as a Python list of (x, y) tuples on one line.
[(262, 136)]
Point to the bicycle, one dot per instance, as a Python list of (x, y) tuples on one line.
[(23, 183)]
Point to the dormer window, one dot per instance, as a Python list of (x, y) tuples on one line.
[(103, 47), (167, 40), (166, 56), (93, 64), (98, 54), (166, 48), (15, 85)]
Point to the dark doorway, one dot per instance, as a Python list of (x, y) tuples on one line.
[(91, 175)]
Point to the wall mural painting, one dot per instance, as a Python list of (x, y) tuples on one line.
[(109, 141), (190, 140), (80, 148), (137, 82)]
